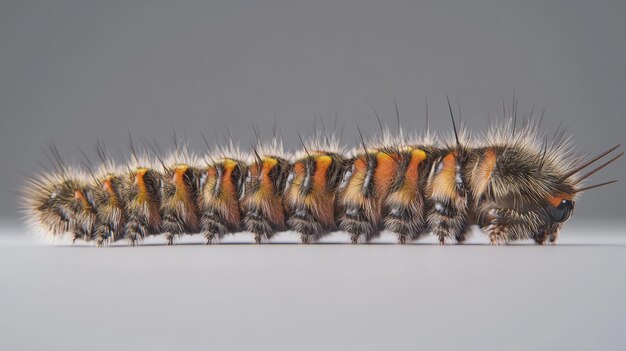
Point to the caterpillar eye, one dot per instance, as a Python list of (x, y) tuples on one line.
[(562, 212)]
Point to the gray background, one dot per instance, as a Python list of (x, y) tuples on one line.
[(74, 71)]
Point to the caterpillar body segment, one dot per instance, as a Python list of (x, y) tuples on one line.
[(311, 194), (142, 197), (365, 185), (180, 190), (110, 208), (222, 186), (403, 208), (447, 208), (79, 208), (262, 195)]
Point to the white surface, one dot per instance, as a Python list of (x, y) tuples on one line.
[(316, 297)]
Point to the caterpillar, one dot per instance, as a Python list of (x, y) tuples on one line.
[(512, 182)]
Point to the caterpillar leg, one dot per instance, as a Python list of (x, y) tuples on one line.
[(360, 233), (80, 233), (554, 233), (407, 224), (133, 241), (497, 234), (105, 235), (462, 235), (541, 238), (260, 238), (448, 230), (549, 235), (134, 232), (358, 239), (360, 228), (172, 226), (258, 224), (214, 226), (169, 238), (497, 229), (305, 224), (210, 238), (309, 238), (210, 232), (447, 223), (409, 236), (101, 240), (553, 237), (402, 239)]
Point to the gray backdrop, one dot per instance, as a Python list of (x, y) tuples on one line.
[(74, 71)]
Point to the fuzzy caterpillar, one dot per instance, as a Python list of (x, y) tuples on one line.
[(509, 183)]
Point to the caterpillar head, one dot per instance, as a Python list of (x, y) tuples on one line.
[(523, 194)]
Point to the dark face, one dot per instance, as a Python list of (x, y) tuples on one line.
[(529, 215), (514, 190)]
